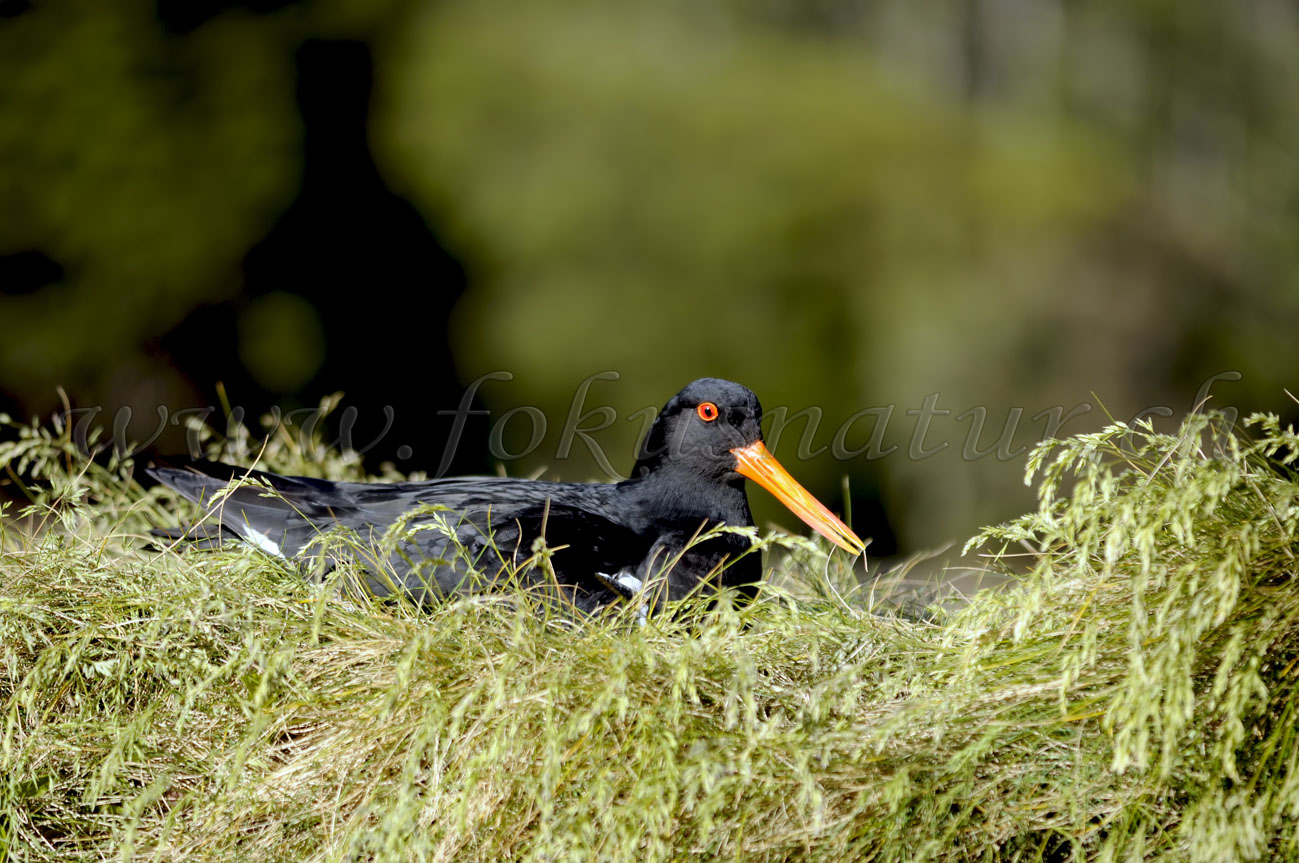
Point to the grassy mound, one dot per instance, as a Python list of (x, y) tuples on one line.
[(1132, 697)]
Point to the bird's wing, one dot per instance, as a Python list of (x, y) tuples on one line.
[(422, 539)]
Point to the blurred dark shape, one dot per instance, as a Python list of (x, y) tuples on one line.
[(27, 272), (870, 518), (182, 16), (378, 279), (14, 8)]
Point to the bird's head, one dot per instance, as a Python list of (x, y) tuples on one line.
[(711, 430)]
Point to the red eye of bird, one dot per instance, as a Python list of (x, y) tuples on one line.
[(707, 412)]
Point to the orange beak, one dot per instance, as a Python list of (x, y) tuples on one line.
[(759, 465)]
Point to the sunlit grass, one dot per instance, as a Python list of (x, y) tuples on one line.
[(1132, 697)]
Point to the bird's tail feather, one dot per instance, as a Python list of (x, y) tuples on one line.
[(257, 512)]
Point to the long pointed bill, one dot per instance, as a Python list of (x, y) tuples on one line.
[(759, 465)]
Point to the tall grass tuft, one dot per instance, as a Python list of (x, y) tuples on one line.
[(1131, 696)]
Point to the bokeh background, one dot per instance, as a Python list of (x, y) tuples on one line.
[(1007, 210)]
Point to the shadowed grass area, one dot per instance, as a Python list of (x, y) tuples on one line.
[(1131, 697)]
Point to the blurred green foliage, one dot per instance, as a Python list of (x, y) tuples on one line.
[(281, 341), (145, 165), (839, 204)]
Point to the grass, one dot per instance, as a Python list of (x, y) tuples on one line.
[(1130, 697)]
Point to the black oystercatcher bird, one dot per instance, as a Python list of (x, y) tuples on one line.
[(610, 541)]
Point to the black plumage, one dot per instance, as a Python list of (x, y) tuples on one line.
[(640, 536)]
